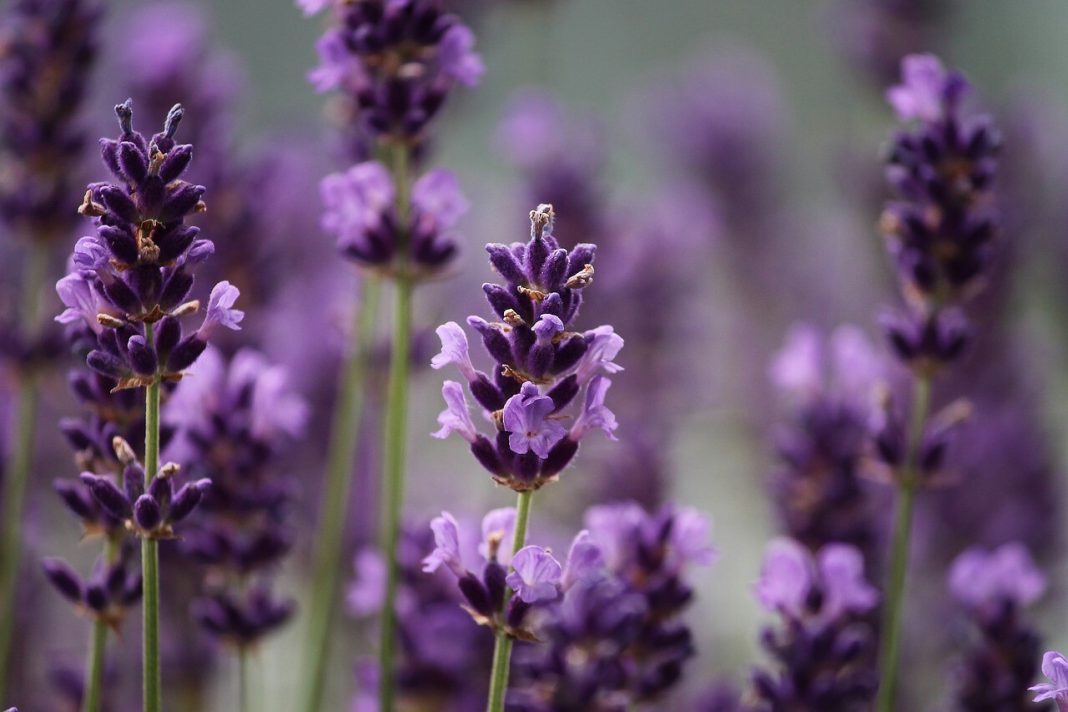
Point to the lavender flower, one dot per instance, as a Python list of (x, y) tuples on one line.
[(232, 422), (541, 364), (110, 590), (46, 51), (1055, 668), (138, 269), (824, 645), (994, 588), (395, 64), (817, 487), (940, 233), (614, 638), (361, 213)]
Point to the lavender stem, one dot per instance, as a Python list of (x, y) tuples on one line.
[(395, 431), (891, 628), (152, 701), (18, 471), (502, 649), (94, 678), (341, 460)]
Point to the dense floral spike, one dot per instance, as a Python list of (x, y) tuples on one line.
[(941, 230), (542, 366), (361, 212), (818, 488), (614, 639), (232, 421), (46, 50), (824, 645), (994, 588), (395, 64)]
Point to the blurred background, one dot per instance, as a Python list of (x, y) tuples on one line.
[(738, 146)]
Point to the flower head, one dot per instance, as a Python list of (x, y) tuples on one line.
[(1055, 668), (527, 422), (221, 310), (926, 87), (446, 546), (456, 418), (985, 580)]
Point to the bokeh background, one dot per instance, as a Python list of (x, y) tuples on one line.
[(803, 246)]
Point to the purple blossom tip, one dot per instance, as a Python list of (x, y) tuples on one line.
[(926, 87), (535, 575), (529, 425), (454, 350), (456, 418), (604, 344), (446, 546), (985, 580), (594, 413), (498, 528), (313, 7), (220, 310), (1055, 668), (585, 561), (458, 58)]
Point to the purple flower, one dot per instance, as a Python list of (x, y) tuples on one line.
[(526, 420), (457, 56), (1055, 668), (847, 365), (456, 418), (690, 539), (924, 89), (498, 528), (446, 546), (454, 350), (986, 580), (584, 561), (785, 577), (356, 201), (535, 575), (220, 310), (313, 7), (79, 294), (594, 413), (366, 593), (604, 345), (845, 588)]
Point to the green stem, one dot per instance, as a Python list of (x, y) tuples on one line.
[(889, 652), (94, 676), (502, 649), (341, 459), (17, 472), (242, 661), (393, 480), (153, 700)]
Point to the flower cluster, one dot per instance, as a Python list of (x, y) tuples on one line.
[(395, 63), (106, 595), (362, 213), (824, 646), (941, 231), (46, 50), (614, 639), (231, 423), (994, 588), (130, 281), (150, 512), (817, 487), (541, 364)]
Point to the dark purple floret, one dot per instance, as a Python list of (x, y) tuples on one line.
[(108, 592)]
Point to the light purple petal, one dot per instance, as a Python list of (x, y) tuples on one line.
[(499, 524), (446, 546), (584, 561), (786, 577), (456, 418), (535, 576), (454, 350)]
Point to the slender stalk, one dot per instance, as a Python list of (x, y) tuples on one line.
[(18, 467), (502, 649), (895, 590), (341, 460), (244, 704), (94, 676), (153, 700), (393, 484)]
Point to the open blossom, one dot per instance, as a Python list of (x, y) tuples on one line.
[(927, 90), (1055, 668), (988, 579), (535, 576), (542, 365)]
